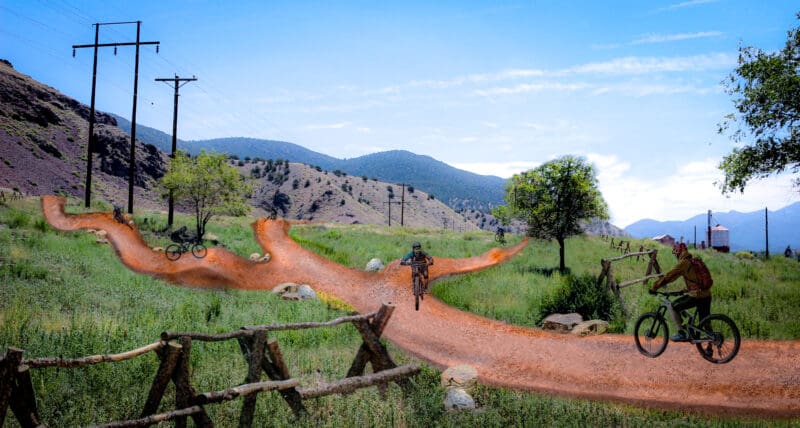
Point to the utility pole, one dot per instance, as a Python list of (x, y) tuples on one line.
[(709, 230), (766, 230), (178, 81), (92, 109)]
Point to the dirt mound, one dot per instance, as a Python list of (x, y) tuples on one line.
[(763, 380)]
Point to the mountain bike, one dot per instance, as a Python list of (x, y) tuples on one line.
[(418, 283), (500, 237), (716, 336), (174, 251)]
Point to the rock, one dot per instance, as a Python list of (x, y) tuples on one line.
[(158, 249), (461, 376), (292, 291), (101, 234), (211, 237), (101, 241), (591, 327), (286, 287), (458, 399), (291, 296), (374, 265), (306, 292), (259, 258), (562, 323)]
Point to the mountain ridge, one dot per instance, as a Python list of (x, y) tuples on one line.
[(748, 231), (458, 188)]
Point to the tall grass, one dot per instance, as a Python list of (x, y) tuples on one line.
[(62, 294)]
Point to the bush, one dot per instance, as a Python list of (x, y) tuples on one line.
[(19, 219), (745, 255), (582, 294)]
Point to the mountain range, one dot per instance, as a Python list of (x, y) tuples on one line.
[(747, 231), (457, 188)]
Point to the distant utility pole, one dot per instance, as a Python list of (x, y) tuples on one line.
[(178, 81), (402, 204), (91, 109), (766, 230)]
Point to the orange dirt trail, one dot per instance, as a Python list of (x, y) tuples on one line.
[(763, 380)]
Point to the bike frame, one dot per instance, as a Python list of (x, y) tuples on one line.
[(691, 321)]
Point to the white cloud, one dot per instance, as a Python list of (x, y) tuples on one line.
[(681, 193), (647, 65), (499, 169), (663, 38), (690, 3), (339, 125), (532, 87)]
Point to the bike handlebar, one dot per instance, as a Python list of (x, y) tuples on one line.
[(671, 293), (415, 263)]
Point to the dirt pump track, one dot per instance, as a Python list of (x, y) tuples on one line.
[(762, 381)]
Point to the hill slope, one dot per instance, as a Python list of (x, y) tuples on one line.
[(43, 136)]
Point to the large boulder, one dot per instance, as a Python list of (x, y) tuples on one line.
[(561, 323), (374, 265)]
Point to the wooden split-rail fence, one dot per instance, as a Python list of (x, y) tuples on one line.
[(262, 355), (607, 273)]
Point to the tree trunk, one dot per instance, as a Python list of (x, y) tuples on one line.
[(561, 266)]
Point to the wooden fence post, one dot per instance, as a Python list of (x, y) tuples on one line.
[(255, 359), (291, 395), (364, 354), (274, 370), (16, 390), (184, 393), (169, 359)]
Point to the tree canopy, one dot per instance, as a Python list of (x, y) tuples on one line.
[(209, 185), (553, 199), (766, 93)]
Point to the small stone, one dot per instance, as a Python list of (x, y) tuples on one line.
[(458, 399)]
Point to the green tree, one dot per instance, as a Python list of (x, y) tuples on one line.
[(209, 185), (766, 93), (553, 199)]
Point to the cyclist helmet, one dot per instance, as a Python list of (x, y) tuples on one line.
[(679, 248), (416, 246)]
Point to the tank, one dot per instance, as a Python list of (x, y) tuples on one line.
[(720, 238)]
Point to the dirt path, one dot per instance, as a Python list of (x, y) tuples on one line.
[(763, 380)]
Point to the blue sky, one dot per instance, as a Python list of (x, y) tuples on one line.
[(490, 87)]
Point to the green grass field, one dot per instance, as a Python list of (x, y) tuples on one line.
[(62, 294)]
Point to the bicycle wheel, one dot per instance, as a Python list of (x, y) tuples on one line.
[(173, 251), (651, 334), (417, 292), (199, 250), (718, 339)]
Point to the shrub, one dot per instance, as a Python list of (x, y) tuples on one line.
[(19, 219), (581, 294), (745, 255)]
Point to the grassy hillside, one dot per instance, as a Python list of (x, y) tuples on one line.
[(62, 294)]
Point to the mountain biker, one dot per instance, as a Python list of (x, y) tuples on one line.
[(417, 255), (501, 234), (694, 297), (180, 235)]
